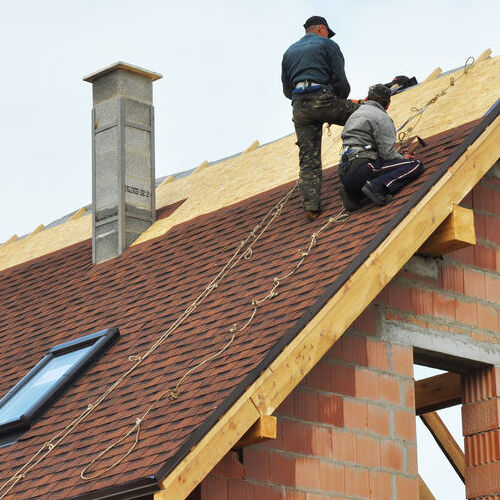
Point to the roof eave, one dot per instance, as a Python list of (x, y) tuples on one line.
[(124, 491)]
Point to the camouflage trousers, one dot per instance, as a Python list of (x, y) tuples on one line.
[(310, 111)]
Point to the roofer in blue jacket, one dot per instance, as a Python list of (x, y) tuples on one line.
[(313, 77), (371, 168)]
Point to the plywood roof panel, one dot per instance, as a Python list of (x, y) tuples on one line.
[(273, 164)]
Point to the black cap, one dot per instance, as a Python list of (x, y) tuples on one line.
[(316, 20), (379, 92)]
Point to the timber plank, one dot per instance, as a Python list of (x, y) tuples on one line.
[(424, 491), (435, 393), (446, 442), (264, 429), (457, 231)]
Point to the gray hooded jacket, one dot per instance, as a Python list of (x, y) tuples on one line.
[(370, 125)]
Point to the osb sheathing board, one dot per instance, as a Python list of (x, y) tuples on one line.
[(276, 163)]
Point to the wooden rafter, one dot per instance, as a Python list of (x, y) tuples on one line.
[(424, 491), (77, 214), (438, 392), (457, 231), (255, 144), (446, 442), (264, 429), (326, 327)]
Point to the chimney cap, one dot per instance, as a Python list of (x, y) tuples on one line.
[(125, 66)]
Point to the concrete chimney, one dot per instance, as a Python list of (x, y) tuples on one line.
[(123, 167)]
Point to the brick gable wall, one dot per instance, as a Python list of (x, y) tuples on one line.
[(348, 429)]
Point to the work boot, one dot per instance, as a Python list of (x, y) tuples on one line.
[(350, 203), (312, 214), (379, 196)]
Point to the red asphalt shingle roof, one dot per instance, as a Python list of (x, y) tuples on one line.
[(61, 296)]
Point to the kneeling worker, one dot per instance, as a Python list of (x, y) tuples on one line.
[(371, 169)]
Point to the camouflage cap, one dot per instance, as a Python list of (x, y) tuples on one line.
[(379, 92), (317, 20)]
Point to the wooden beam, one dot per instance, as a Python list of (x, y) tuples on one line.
[(457, 231), (167, 180), (446, 442), (262, 430), (423, 490), (484, 55), (35, 231), (202, 166), (77, 214), (14, 237), (432, 76), (318, 336), (252, 147), (435, 393)]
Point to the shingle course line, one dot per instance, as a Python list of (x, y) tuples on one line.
[(244, 250), (138, 260)]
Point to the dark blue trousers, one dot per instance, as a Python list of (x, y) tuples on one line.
[(393, 174)]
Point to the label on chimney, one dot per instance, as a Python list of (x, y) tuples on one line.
[(137, 191)]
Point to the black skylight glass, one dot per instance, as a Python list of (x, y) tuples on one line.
[(48, 379)]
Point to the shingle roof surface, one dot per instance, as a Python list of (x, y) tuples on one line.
[(61, 296)]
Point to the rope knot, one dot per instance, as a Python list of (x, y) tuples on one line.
[(138, 421), (173, 395), (255, 303), (234, 328), (276, 280), (248, 254), (303, 253), (135, 357)]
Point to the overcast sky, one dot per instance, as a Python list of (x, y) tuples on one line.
[(221, 88)]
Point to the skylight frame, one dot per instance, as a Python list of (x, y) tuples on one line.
[(100, 341)]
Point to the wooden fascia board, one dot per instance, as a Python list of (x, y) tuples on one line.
[(446, 442), (317, 337), (264, 429), (456, 231), (438, 392)]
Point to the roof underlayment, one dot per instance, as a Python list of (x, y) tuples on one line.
[(271, 165)]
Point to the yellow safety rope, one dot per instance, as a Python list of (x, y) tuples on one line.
[(417, 113), (175, 393), (243, 250)]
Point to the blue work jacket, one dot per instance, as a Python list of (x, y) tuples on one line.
[(316, 59)]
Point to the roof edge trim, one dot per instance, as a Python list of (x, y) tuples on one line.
[(130, 490)]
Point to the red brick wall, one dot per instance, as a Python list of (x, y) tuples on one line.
[(348, 430), (464, 299)]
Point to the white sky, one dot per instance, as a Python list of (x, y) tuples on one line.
[(221, 88)]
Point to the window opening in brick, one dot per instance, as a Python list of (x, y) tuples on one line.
[(433, 467), (47, 380)]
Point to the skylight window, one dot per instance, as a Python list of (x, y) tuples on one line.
[(48, 379)]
